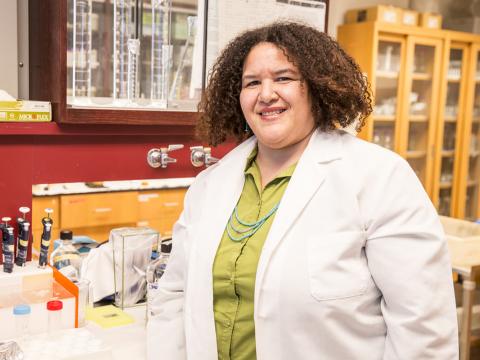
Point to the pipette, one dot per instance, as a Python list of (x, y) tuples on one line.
[(23, 237), (47, 223), (8, 249)]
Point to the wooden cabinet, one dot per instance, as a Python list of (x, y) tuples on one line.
[(425, 95), (95, 215), (160, 209)]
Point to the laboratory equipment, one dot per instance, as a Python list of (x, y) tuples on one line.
[(122, 32), (23, 237), (7, 245), (133, 58), (47, 223), (179, 73), (132, 249), (54, 308), (66, 257), (85, 299), (82, 48), (21, 314), (154, 272), (161, 52)]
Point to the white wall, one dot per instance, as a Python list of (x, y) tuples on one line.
[(8, 47), (338, 8)]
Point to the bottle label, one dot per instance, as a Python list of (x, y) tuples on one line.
[(63, 257)]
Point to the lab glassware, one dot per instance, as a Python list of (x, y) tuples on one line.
[(161, 52), (122, 32), (66, 257), (85, 300), (82, 47)]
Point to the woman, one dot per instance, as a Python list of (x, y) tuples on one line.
[(303, 242)]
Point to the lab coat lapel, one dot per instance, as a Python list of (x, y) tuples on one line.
[(310, 173)]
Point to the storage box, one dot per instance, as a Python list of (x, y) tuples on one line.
[(382, 13), (409, 17), (25, 111), (431, 21)]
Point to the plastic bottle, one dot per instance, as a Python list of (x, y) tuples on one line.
[(154, 272), (54, 308), (21, 313), (66, 257)]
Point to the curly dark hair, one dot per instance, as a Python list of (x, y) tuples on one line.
[(339, 91)]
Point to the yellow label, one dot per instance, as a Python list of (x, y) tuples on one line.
[(46, 243), (19, 116), (23, 243)]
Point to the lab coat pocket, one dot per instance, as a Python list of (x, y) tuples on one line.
[(337, 265)]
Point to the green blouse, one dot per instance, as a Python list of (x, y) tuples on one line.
[(235, 265)]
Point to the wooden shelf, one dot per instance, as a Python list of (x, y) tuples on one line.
[(416, 154), (387, 74), (418, 118), (450, 119), (445, 185), (453, 79), (386, 118), (471, 183), (448, 153), (421, 76), (474, 153)]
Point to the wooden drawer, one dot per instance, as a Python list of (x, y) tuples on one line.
[(38, 211), (98, 209), (160, 209)]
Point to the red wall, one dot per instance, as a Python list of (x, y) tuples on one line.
[(46, 153)]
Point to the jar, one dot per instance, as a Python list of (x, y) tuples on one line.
[(21, 314), (54, 308)]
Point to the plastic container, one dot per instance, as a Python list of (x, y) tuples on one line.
[(54, 308), (154, 272), (85, 300), (21, 313)]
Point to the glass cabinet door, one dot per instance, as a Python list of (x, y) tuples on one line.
[(420, 107), (449, 131), (472, 200), (387, 91), (134, 54)]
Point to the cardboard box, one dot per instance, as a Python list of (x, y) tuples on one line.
[(431, 21), (25, 111), (382, 13), (409, 17)]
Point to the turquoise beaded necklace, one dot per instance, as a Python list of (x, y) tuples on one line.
[(249, 228)]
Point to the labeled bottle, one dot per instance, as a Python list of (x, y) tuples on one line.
[(54, 308), (154, 272), (66, 258)]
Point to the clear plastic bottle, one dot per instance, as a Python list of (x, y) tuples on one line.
[(154, 272), (54, 308), (21, 313), (66, 257)]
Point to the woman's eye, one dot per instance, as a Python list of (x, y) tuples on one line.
[(252, 83), (283, 79)]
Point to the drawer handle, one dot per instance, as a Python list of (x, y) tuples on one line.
[(102, 210)]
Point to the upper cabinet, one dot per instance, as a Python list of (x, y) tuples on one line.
[(426, 92), (118, 61)]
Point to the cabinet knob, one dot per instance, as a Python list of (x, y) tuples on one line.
[(160, 157), (200, 156)]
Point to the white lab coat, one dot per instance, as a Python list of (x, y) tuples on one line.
[(355, 265)]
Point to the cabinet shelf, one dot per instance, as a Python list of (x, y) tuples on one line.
[(418, 118), (454, 79), (450, 119), (471, 183), (421, 76), (387, 74), (474, 153), (448, 153), (386, 118), (416, 154), (445, 185)]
